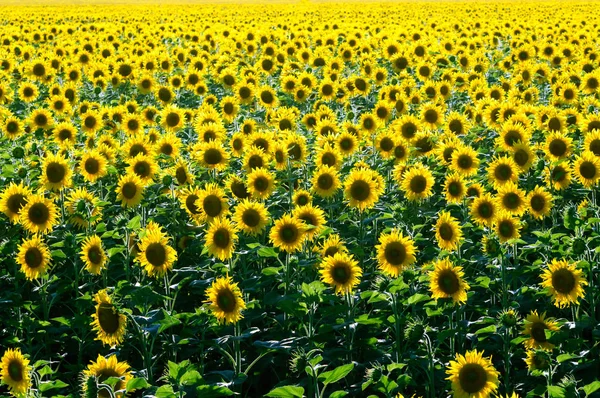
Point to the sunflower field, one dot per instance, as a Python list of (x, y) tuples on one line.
[(302, 199)]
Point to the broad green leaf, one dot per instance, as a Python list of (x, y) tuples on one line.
[(134, 223), (591, 388), (286, 392), (336, 374), (51, 385), (137, 383)]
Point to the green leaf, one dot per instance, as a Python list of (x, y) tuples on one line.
[(487, 329), (208, 391), (191, 378), (286, 392), (591, 388), (167, 322), (165, 392), (51, 385), (62, 320), (556, 392), (137, 383), (58, 254), (336, 374), (134, 223), (267, 252), (270, 271), (417, 298), (112, 381), (565, 357), (338, 394)]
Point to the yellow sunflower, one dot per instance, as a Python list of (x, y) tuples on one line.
[(143, 166), (155, 255), (472, 375), (558, 176), (361, 190), (564, 282), (313, 217), (483, 210), (130, 190), (331, 245), (325, 181), (211, 202), (56, 172), (507, 227), (448, 232), (220, 238), (416, 182), (83, 208), (511, 199), (92, 254), (502, 170), (15, 372), (92, 165), (446, 281), (251, 217), (38, 215), (108, 322), (34, 257), (455, 188), (13, 199), (103, 369), (395, 253), (587, 169), (261, 183), (465, 161), (226, 302), (287, 234), (540, 202), (535, 327), (341, 271)]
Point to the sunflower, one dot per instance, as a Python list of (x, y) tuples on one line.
[(535, 327), (361, 190), (261, 183), (13, 199), (313, 217), (465, 161), (416, 182), (220, 238), (483, 210), (592, 142), (501, 171), (564, 283), (325, 181), (251, 217), (91, 122), (540, 202), (328, 155), (65, 134), (103, 369), (507, 227), (93, 165), (557, 146), (587, 169), (144, 167), (155, 255), (538, 360), (212, 155), (168, 145), (12, 127), (130, 190), (83, 208), (448, 232), (211, 202), (56, 172), (92, 254), (132, 124), (558, 176), (296, 147), (472, 375), (302, 197), (455, 188), (28, 92), (511, 199), (395, 253), (446, 281), (108, 322), (225, 298), (287, 234), (15, 372), (512, 133), (181, 173), (331, 245), (347, 143), (523, 156), (255, 158), (34, 257), (38, 215), (341, 271), (432, 116)]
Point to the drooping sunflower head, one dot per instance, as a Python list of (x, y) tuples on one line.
[(15, 372), (108, 322), (340, 271), (288, 233), (446, 281), (472, 375), (395, 253), (220, 238), (564, 282), (226, 302)]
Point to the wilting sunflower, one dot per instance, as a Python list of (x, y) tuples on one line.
[(155, 255), (587, 169), (313, 217), (361, 190), (56, 172), (34, 257), (448, 232), (105, 368), (540, 202), (564, 282), (261, 183), (465, 161), (511, 199), (416, 182), (251, 217), (130, 190), (92, 165), (507, 227), (226, 302), (220, 238), (472, 376), (15, 372), (287, 234), (38, 215), (13, 199), (483, 210), (211, 202), (535, 327), (395, 253), (325, 181), (341, 271), (446, 281), (92, 254), (108, 322)]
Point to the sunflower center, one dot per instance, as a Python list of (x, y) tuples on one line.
[(330, 251), (563, 281), (90, 122), (409, 130), (465, 162), (537, 332), (226, 301), (244, 92), (12, 127), (133, 125), (399, 152), (213, 156), (328, 159), (448, 282), (222, 238), (142, 169), (156, 254), (386, 144), (251, 218), (325, 181), (587, 170), (418, 184), (16, 202), (559, 174), (261, 184), (212, 205), (181, 175), (341, 273), (446, 231), (294, 151), (558, 147), (255, 161), (431, 116), (94, 255), (289, 233), (511, 201), (173, 119), (395, 253), (455, 188), (55, 172), (309, 219), (512, 137), (346, 144), (41, 120), (472, 378), (485, 210), (506, 229), (593, 83), (166, 149), (360, 190), (108, 318), (521, 157), (503, 172), (190, 203), (455, 126), (266, 97), (136, 149), (239, 190), (15, 370), (595, 147), (34, 257), (92, 166), (129, 190), (164, 94), (538, 203), (39, 213)]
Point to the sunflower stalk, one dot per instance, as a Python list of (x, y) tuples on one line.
[(431, 367)]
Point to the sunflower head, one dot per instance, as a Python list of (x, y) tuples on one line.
[(288, 233), (225, 300), (564, 282), (341, 271), (108, 322), (15, 372), (395, 253), (472, 375), (446, 281)]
